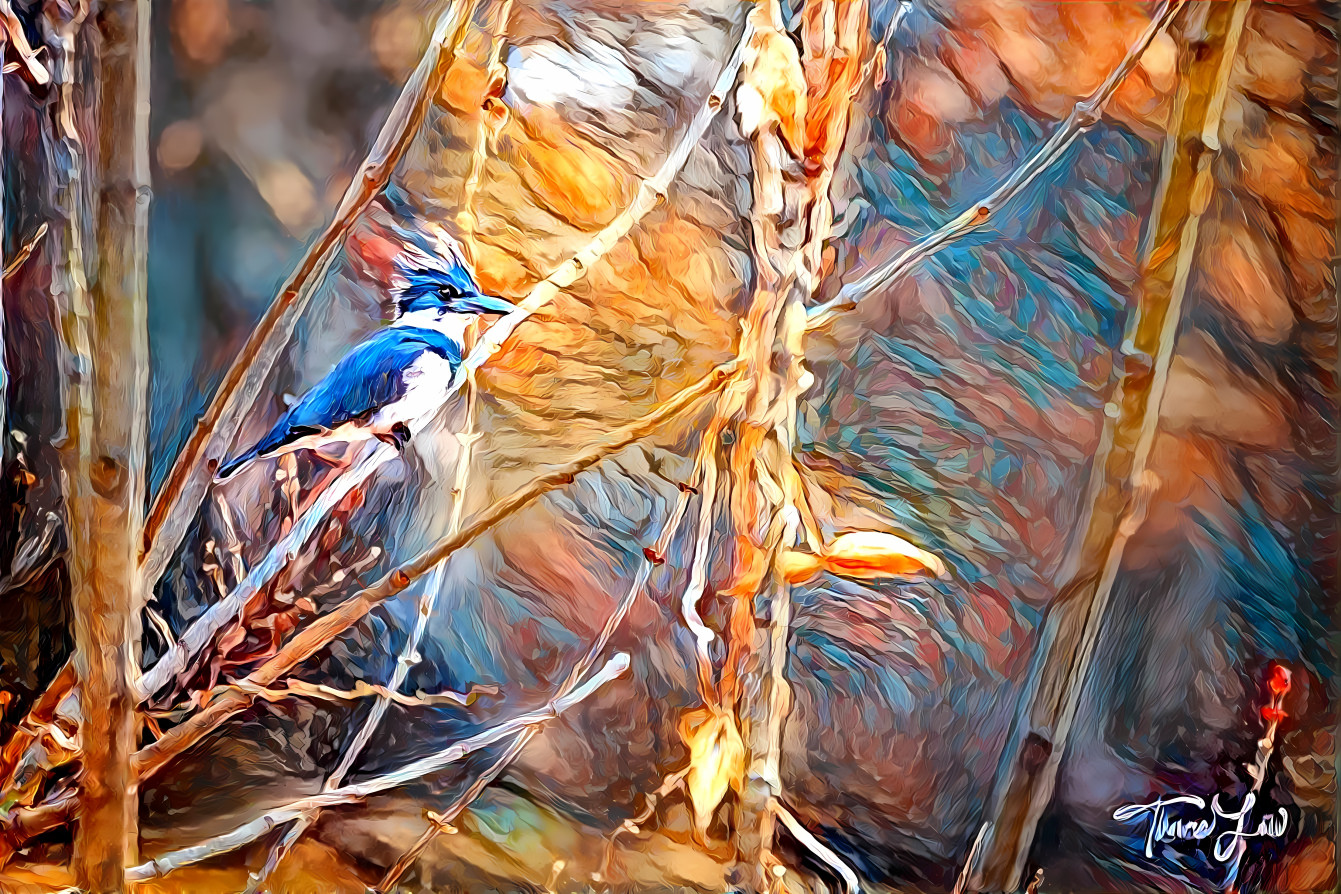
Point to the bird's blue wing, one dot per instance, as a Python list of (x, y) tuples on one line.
[(367, 378)]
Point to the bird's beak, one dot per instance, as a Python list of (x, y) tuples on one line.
[(492, 304)]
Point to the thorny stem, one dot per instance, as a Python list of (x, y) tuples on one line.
[(348, 794), (190, 476), (791, 218), (467, 437), (1083, 116)]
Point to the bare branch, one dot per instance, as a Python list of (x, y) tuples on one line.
[(326, 628), (349, 794), (819, 849), (651, 558), (442, 822), (107, 515), (102, 595), (1083, 116), (33, 70), (193, 469), (202, 630), (25, 251), (1123, 484)]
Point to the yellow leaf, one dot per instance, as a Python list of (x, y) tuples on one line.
[(716, 760), (772, 89), (797, 567), (872, 554)]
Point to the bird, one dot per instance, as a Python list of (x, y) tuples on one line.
[(399, 374)]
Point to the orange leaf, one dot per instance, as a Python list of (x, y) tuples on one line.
[(871, 554)]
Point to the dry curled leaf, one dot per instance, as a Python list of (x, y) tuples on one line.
[(863, 555), (716, 760), (772, 88)]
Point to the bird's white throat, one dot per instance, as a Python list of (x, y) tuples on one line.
[(451, 325)]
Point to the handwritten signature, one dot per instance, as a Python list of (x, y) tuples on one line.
[(1185, 818)]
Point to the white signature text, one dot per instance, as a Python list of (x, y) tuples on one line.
[(1185, 818)]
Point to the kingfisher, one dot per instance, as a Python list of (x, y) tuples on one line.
[(398, 374)]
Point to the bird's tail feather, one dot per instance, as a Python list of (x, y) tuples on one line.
[(234, 465)]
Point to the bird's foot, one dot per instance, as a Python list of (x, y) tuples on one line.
[(398, 436)]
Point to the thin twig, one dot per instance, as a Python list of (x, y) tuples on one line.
[(442, 822), (1083, 116), (701, 558), (819, 849), (1073, 625), (634, 825), (650, 192), (193, 469), (651, 558), (348, 794), (303, 689), (35, 71), (25, 251), (326, 628), (203, 629)]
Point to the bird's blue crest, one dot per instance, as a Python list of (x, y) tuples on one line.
[(432, 281), (442, 284)]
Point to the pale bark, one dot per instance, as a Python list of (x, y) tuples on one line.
[(1123, 486)]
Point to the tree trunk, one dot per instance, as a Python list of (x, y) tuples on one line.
[(106, 423)]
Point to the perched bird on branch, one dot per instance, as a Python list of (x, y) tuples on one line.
[(399, 374)]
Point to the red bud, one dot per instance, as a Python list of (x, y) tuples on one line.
[(1280, 679), (1272, 714)]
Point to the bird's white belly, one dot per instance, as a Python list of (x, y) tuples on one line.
[(426, 383)]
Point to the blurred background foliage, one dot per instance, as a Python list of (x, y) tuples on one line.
[(962, 405)]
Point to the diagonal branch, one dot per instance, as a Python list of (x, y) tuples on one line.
[(203, 629), (152, 758), (650, 192), (25, 251), (428, 598), (194, 467), (1123, 485), (1084, 115), (819, 849), (651, 557), (349, 794), (326, 628)]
